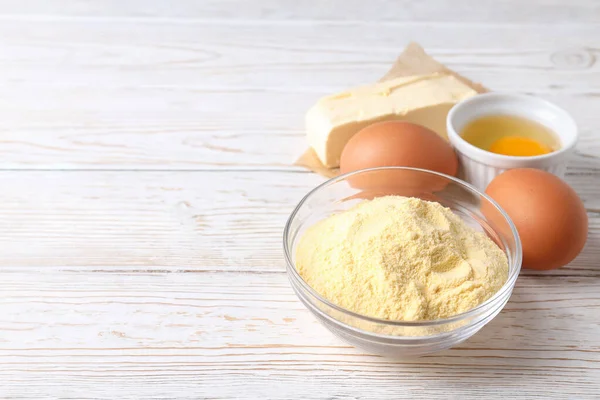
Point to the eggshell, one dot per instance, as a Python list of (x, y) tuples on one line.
[(398, 143), (551, 219)]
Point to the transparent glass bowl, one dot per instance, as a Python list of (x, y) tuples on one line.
[(399, 338)]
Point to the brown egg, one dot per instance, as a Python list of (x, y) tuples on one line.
[(398, 143), (550, 218)]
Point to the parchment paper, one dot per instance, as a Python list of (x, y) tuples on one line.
[(412, 61)]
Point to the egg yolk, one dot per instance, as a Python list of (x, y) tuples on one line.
[(519, 146)]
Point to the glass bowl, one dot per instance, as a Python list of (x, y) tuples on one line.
[(401, 338)]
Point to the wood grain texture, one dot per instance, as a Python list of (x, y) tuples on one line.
[(171, 95), (246, 335), (174, 220), (485, 11), (145, 167)]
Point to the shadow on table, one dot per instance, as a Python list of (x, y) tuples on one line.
[(535, 334)]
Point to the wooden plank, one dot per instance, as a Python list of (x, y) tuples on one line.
[(148, 136), (197, 221), (486, 11), (189, 335), (117, 94), (304, 55)]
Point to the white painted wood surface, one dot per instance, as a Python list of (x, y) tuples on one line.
[(145, 175)]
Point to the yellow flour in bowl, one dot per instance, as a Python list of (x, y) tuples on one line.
[(401, 258)]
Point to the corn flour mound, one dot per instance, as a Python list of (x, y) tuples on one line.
[(401, 258)]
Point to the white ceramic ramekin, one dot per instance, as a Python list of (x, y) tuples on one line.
[(479, 167)]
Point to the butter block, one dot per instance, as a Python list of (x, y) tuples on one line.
[(420, 99)]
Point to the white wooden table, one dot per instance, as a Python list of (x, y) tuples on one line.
[(145, 178)]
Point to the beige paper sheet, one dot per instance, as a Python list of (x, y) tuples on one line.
[(412, 61)]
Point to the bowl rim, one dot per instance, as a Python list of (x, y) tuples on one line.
[(506, 287)]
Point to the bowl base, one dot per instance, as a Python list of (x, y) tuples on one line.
[(396, 352)]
